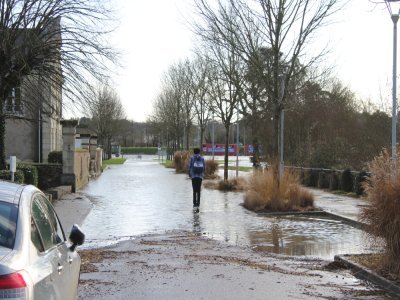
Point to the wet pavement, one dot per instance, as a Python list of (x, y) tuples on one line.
[(143, 197)]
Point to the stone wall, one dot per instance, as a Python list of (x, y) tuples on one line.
[(96, 162), (81, 167)]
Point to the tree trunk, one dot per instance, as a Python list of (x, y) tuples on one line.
[(275, 137), (226, 153), (187, 137), (3, 163), (201, 137)]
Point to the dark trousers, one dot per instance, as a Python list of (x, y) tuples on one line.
[(196, 184)]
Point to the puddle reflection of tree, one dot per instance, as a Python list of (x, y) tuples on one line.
[(276, 237), (280, 240)]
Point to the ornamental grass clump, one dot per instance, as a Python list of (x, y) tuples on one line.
[(267, 193), (382, 191), (211, 169), (181, 161)]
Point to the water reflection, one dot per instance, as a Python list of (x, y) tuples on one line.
[(196, 223), (142, 197)]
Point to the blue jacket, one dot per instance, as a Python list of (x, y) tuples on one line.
[(190, 169)]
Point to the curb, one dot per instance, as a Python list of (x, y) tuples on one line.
[(360, 272), (351, 222)]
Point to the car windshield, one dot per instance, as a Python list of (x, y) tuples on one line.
[(8, 221)]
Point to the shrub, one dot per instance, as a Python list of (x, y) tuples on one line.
[(382, 216), (323, 180), (18, 176), (55, 157), (334, 181), (30, 173), (211, 169), (347, 181), (181, 161), (360, 179), (303, 176), (311, 179), (267, 192), (49, 175), (235, 184)]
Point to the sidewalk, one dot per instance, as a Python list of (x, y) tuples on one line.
[(72, 209), (349, 208), (343, 206)]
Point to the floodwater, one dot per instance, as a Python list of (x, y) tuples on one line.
[(142, 197)]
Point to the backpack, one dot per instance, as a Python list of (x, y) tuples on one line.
[(198, 165)]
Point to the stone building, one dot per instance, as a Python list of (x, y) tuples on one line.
[(33, 113)]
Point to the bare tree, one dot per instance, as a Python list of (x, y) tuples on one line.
[(164, 118), (226, 79), (200, 70), (106, 112), (57, 44), (187, 80), (285, 28), (225, 91)]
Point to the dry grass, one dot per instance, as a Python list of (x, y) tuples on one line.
[(211, 169), (181, 161), (382, 216), (235, 184), (267, 192)]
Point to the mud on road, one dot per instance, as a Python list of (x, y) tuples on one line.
[(186, 265)]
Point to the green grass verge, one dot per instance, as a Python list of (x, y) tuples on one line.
[(114, 161), (168, 163), (139, 150), (243, 169)]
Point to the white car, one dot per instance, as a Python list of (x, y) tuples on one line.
[(36, 261)]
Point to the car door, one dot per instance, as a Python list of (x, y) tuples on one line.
[(70, 259), (49, 240)]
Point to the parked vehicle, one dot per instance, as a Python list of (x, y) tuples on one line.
[(36, 261)]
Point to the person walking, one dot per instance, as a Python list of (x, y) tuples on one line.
[(197, 168)]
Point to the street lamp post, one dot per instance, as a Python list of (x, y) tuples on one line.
[(237, 142), (281, 125), (395, 18), (213, 136)]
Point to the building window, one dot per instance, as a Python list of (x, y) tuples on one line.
[(13, 102)]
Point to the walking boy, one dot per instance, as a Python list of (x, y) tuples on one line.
[(196, 173)]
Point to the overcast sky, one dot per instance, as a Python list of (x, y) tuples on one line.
[(153, 35)]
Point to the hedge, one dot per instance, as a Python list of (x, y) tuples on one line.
[(139, 150), (347, 181), (30, 173), (55, 157), (360, 179), (18, 176), (334, 181)]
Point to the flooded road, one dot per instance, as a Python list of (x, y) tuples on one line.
[(142, 197)]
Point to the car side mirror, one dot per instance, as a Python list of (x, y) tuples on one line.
[(77, 237)]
